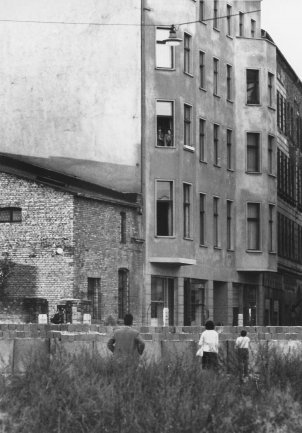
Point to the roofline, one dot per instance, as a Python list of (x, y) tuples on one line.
[(74, 185)]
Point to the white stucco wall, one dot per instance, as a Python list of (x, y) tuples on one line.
[(72, 90)]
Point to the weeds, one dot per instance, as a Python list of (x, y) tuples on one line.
[(90, 394)]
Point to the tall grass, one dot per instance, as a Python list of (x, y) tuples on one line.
[(91, 394)]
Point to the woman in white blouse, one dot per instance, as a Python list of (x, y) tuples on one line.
[(209, 344)]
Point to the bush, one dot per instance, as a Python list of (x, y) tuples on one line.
[(91, 394)]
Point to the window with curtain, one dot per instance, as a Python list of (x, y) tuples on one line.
[(253, 226), (253, 152), (252, 86)]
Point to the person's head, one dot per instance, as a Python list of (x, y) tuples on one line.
[(128, 319), (243, 333), (210, 325)]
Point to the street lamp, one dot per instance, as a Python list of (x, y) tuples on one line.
[(172, 40)]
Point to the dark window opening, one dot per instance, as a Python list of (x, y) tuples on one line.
[(10, 215)]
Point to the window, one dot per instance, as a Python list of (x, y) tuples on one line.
[(165, 121), (202, 142), (215, 222), (187, 209), (201, 10), (201, 69), (229, 149), (270, 156), (229, 17), (187, 53), (162, 296), (229, 82), (195, 312), (281, 112), (164, 208), (229, 224), (164, 53), (253, 226), (123, 293), (215, 76), (215, 20), (202, 219), (123, 227), (94, 295), (216, 144), (270, 83), (10, 215), (253, 28), (253, 152), (252, 86), (187, 125), (241, 24), (271, 228)]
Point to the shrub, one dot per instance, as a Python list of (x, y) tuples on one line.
[(86, 393)]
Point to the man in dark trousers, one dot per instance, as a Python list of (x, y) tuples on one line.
[(126, 342)]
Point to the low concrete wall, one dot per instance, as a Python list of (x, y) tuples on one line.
[(21, 343)]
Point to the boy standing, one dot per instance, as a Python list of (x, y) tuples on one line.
[(242, 345)]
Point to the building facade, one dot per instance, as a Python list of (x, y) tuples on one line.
[(97, 93), (62, 238)]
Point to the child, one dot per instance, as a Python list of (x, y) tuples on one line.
[(242, 345)]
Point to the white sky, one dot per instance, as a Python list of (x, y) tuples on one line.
[(282, 19)]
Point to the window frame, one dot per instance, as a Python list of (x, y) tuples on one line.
[(171, 48), (216, 234), (215, 15), (253, 28), (216, 150), (201, 11), (187, 53), (270, 154), (270, 87), (241, 23), (187, 210), (202, 139), (251, 220), (173, 124), (229, 20), (188, 126), (172, 186), (202, 75), (257, 83), (202, 219), (229, 141), (229, 70), (123, 232), (215, 76), (272, 228), (258, 169), (11, 210), (229, 227)]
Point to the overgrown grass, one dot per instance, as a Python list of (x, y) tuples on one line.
[(87, 394)]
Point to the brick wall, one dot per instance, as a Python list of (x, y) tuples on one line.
[(99, 253), (30, 246)]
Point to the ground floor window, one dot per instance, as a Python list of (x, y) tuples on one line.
[(162, 300), (195, 311), (94, 295), (123, 293), (250, 305)]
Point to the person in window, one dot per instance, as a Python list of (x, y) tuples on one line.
[(209, 344), (126, 344), (242, 346), (160, 138), (168, 138)]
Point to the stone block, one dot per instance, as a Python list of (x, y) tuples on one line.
[(26, 350), (6, 356)]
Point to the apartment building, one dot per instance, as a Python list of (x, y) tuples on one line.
[(94, 90), (289, 139)]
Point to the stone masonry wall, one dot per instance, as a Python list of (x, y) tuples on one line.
[(21, 343), (30, 246)]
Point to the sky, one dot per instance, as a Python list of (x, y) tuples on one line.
[(282, 19)]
